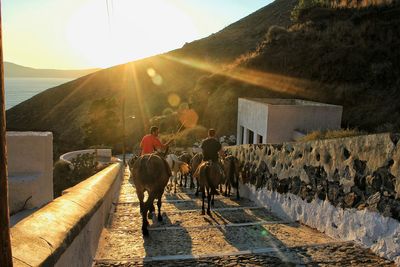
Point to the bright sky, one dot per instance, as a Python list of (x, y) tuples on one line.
[(70, 34)]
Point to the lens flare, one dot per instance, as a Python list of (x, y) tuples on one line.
[(188, 118), (264, 233), (157, 79), (174, 100), (151, 72)]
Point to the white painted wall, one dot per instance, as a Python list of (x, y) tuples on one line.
[(103, 154), (276, 120), (30, 169), (285, 119), (370, 229), (252, 116)]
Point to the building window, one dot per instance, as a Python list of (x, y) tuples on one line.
[(251, 137), (241, 140), (259, 139)]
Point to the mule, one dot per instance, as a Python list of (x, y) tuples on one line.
[(178, 168), (185, 157), (194, 164), (231, 169), (150, 173), (209, 176)]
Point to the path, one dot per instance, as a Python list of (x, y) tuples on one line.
[(239, 233)]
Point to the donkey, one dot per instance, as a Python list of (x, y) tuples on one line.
[(186, 157), (149, 173), (194, 164), (177, 167), (231, 169), (209, 176)]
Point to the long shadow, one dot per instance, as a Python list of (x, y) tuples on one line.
[(165, 242), (256, 237)]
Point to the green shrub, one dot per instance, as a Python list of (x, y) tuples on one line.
[(66, 175), (84, 166), (330, 134), (305, 5), (61, 177)]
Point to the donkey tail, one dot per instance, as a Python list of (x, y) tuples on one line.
[(233, 179), (209, 180)]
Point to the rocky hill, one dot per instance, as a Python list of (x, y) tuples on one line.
[(342, 56)]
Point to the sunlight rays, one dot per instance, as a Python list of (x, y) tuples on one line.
[(275, 82), (143, 110), (69, 96)]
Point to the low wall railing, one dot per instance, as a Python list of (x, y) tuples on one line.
[(101, 155), (65, 232)]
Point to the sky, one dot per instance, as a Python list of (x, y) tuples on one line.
[(75, 34)]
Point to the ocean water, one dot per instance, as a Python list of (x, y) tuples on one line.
[(18, 90)]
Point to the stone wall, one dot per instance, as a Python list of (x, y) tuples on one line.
[(348, 188)]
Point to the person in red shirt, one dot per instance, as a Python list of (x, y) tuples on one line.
[(150, 142)]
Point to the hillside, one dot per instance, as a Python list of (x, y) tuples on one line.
[(15, 70), (342, 56), (65, 109)]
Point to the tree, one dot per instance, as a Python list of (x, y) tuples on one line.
[(103, 123)]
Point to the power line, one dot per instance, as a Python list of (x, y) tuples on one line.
[(108, 16)]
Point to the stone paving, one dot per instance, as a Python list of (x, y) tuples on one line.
[(239, 233)]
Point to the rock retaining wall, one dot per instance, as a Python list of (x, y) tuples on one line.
[(348, 188)]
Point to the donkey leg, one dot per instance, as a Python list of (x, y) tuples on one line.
[(175, 182), (159, 217), (237, 190), (151, 210), (226, 189), (208, 201), (203, 192), (145, 222), (191, 181), (140, 195)]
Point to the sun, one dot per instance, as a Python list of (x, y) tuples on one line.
[(105, 33)]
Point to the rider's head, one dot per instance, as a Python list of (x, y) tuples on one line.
[(211, 132), (154, 130)]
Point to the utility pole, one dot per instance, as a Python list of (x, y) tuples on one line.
[(5, 242), (123, 126)]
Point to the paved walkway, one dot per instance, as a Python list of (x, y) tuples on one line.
[(238, 233)]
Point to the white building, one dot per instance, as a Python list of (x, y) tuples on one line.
[(272, 120)]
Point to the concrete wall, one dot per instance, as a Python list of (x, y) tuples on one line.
[(276, 120), (252, 115), (30, 169), (66, 231), (102, 154), (348, 188), (283, 120)]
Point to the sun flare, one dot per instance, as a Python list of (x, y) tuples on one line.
[(109, 32)]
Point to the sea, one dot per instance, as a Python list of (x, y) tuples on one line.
[(19, 89)]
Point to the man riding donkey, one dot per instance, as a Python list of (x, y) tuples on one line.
[(210, 173), (150, 172), (150, 142)]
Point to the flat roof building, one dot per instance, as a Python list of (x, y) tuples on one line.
[(274, 120)]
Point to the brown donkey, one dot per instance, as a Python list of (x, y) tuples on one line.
[(150, 173), (209, 175), (231, 169)]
